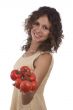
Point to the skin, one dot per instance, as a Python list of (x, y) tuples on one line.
[(39, 33)]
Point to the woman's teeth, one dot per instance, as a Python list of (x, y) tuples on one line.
[(36, 35)]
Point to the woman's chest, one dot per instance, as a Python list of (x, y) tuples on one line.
[(24, 62)]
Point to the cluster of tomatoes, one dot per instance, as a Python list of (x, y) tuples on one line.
[(25, 79)]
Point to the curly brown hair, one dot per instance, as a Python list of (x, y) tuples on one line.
[(55, 37)]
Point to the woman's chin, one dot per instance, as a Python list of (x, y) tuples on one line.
[(38, 39)]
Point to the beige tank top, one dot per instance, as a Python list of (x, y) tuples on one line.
[(38, 102)]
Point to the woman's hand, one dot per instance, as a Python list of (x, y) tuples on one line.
[(27, 97)]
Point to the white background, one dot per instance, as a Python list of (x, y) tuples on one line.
[(59, 88)]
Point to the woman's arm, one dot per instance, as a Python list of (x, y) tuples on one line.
[(42, 65)]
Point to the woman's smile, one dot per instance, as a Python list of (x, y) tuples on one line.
[(40, 29), (37, 35)]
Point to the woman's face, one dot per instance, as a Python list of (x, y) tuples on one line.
[(40, 29)]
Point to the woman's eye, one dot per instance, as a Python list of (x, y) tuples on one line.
[(45, 27)]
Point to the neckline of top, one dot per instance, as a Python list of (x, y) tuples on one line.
[(26, 56)]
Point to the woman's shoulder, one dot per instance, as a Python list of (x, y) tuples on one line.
[(44, 57), (45, 53)]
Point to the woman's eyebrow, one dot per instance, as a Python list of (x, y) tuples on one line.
[(36, 22)]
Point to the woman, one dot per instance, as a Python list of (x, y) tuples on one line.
[(44, 30)]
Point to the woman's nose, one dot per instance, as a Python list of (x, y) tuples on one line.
[(39, 29)]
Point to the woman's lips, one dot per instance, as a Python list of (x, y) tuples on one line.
[(37, 36)]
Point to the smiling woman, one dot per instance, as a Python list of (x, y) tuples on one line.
[(44, 37)]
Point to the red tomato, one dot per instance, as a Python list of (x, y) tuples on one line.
[(34, 85), (28, 73), (17, 83), (33, 77), (25, 69), (25, 74), (13, 74), (25, 86)]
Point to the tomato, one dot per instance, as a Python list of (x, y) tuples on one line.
[(25, 86), (25, 74), (34, 85), (13, 74), (33, 77), (17, 83), (28, 73), (25, 69)]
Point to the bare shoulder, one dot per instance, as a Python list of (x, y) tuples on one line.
[(44, 59), (45, 56)]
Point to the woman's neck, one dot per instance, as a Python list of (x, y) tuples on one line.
[(33, 47)]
